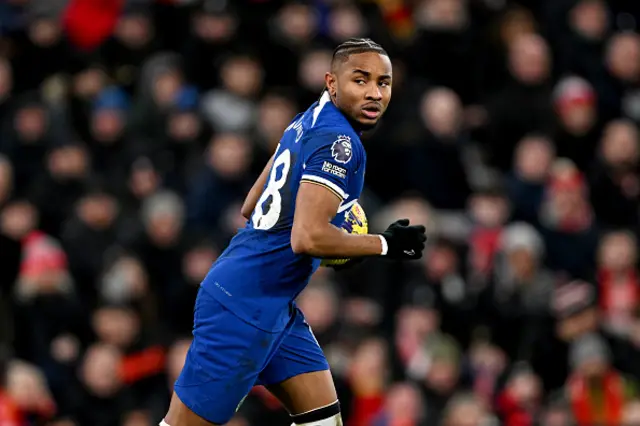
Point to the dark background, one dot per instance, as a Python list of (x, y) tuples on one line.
[(131, 131)]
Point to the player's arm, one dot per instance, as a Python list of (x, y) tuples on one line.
[(313, 234), (323, 187), (256, 190)]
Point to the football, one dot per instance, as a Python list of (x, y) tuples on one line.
[(355, 222)]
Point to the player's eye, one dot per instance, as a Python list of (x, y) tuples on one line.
[(360, 81), (384, 83)]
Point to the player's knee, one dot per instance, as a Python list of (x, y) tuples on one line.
[(324, 416)]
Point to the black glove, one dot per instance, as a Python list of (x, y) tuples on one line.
[(403, 241)]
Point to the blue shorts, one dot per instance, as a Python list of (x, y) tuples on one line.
[(229, 356)]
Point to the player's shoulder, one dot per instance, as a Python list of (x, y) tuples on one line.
[(341, 144), (333, 131), (325, 128), (327, 134)]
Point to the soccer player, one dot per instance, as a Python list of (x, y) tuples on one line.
[(247, 328)]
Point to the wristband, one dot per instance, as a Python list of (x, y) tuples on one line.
[(385, 246)]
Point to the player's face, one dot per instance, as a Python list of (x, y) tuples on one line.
[(363, 87)]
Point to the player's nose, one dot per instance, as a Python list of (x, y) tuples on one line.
[(374, 93)]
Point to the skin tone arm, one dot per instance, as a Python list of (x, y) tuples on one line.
[(256, 190), (313, 234)]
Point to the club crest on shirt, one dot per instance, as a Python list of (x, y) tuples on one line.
[(341, 149)]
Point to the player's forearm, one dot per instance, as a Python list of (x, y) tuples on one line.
[(254, 194), (250, 201), (330, 241)]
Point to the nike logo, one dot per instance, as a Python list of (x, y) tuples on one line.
[(409, 252)]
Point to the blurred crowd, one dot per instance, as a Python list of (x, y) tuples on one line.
[(130, 131)]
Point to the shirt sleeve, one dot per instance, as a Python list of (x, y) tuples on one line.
[(330, 162)]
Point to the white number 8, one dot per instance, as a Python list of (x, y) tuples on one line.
[(267, 221)]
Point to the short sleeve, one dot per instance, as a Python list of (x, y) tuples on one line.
[(330, 162)]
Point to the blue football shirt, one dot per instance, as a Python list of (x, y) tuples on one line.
[(258, 276)]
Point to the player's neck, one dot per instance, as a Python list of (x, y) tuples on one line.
[(357, 127)]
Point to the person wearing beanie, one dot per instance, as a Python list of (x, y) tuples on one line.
[(596, 390)]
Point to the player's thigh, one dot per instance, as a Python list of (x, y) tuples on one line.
[(306, 392), (298, 374), (181, 415), (223, 361)]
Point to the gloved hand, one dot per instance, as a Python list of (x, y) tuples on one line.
[(403, 241)]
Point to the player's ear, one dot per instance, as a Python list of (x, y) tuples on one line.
[(330, 83)]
